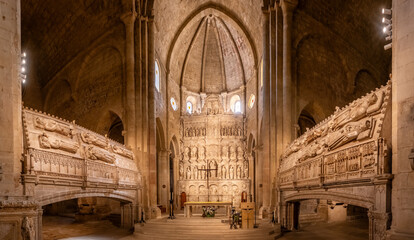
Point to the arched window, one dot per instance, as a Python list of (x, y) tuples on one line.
[(237, 107), (173, 104), (252, 99), (235, 104), (157, 76), (189, 107)]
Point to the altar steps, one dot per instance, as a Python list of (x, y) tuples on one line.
[(201, 228)]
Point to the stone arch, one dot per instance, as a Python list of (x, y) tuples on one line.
[(222, 11), (309, 116), (316, 55), (345, 197), (90, 56), (67, 195), (363, 82), (60, 88), (106, 120)]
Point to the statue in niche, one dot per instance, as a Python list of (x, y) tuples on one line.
[(239, 131), (204, 132), (53, 126), (358, 109), (240, 153), (350, 132), (194, 153), (89, 138), (186, 156), (223, 172), (232, 153), (203, 172), (195, 173), (188, 173), (28, 231), (224, 153), (45, 142), (239, 172), (228, 131), (99, 154), (181, 169), (231, 172), (202, 153), (246, 172), (212, 165)]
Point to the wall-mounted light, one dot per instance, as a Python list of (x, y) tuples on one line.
[(386, 11), (387, 29), (23, 67)]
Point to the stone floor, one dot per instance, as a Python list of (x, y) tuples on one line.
[(355, 230), (195, 228)]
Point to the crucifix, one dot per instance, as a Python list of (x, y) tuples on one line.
[(208, 170)]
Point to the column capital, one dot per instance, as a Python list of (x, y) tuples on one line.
[(288, 5), (128, 17)]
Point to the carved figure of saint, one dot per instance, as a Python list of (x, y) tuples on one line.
[(194, 153), (186, 156), (232, 153), (240, 153), (238, 172), (181, 170), (246, 171), (223, 172), (202, 154), (224, 152), (231, 172), (195, 173), (188, 173)]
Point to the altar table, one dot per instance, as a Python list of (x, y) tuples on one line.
[(188, 207)]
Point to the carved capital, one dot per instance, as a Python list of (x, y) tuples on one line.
[(288, 6), (128, 18)]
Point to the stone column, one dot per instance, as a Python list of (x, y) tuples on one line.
[(11, 147), (402, 119), (163, 178), (288, 6), (264, 134), (39, 223), (129, 20), (155, 211), (378, 222)]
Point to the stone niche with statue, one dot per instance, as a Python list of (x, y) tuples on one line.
[(213, 152)]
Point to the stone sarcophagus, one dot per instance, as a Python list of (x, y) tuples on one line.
[(346, 147), (344, 158), (58, 152)]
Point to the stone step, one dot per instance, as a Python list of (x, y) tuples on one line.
[(201, 228)]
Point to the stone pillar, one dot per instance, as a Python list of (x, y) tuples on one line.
[(39, 223), (264, 134), (378, 222), (288, 6), (11, 147), (155, 211), (163, 178), (129, 20), (402, 119)]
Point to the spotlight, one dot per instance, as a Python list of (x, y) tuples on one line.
[(386, 21), (24, 54), (24, 61), (387, 29), (23, 69), (388, 46), (386, 11), (24, 81)]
